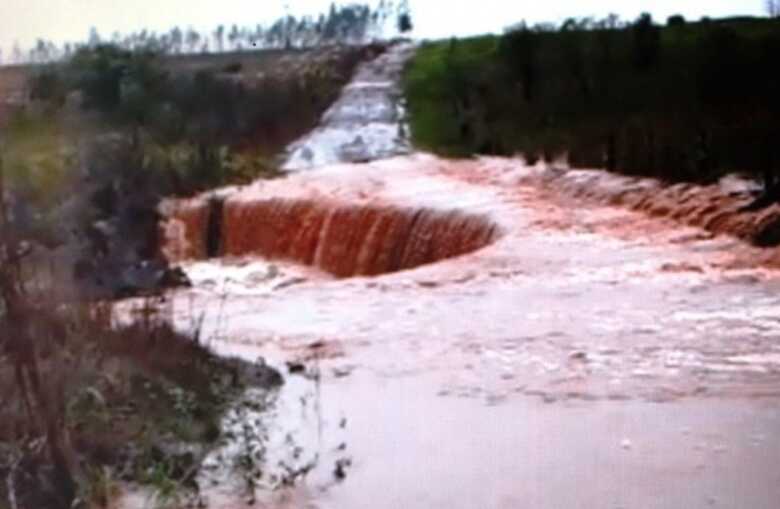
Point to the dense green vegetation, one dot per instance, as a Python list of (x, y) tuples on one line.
[(686, 101)]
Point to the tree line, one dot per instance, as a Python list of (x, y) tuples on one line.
[(681, 101), (343, 24)]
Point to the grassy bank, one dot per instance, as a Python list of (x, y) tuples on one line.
[(138, 405), (683, 101)]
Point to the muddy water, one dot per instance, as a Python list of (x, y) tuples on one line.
[(720, 208), (367, 121), (588, 357), (342, 239)]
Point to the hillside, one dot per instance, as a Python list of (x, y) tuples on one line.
[(247, 67)]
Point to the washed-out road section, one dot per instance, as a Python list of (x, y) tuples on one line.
[(578, 356)]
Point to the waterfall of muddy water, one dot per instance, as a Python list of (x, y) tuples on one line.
[(367, 121), (717, 208), (342, 239), (587, 355)]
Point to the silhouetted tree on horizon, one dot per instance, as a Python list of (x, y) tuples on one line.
[(192, 40), (647, 41), (219, 37), (405, 24)]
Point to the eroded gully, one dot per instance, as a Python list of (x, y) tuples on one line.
[(589, 356), (455, 334)]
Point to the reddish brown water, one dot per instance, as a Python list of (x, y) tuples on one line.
[(586, 356), (716, 208), (342, 239)]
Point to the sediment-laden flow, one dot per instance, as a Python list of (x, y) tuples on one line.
[(343, 239), (367, 121), (720, 208), (602, 309)]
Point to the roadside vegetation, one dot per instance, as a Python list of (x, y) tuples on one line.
[(88, 406), (686, 101), (102, 407), (87, 403)]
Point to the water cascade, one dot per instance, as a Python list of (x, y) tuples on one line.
[(343, 239), (367, 121), (720, 208)]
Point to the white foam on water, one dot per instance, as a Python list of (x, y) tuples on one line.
[(367, 122)]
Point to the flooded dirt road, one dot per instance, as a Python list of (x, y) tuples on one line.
[(366, 122), (587, 356)]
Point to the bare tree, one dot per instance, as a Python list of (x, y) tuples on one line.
[(234, 37), (176, 39), (773, 8), (18, 55), (219, 38), (193, 40)]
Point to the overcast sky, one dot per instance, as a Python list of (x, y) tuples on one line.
[(70, 20)]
